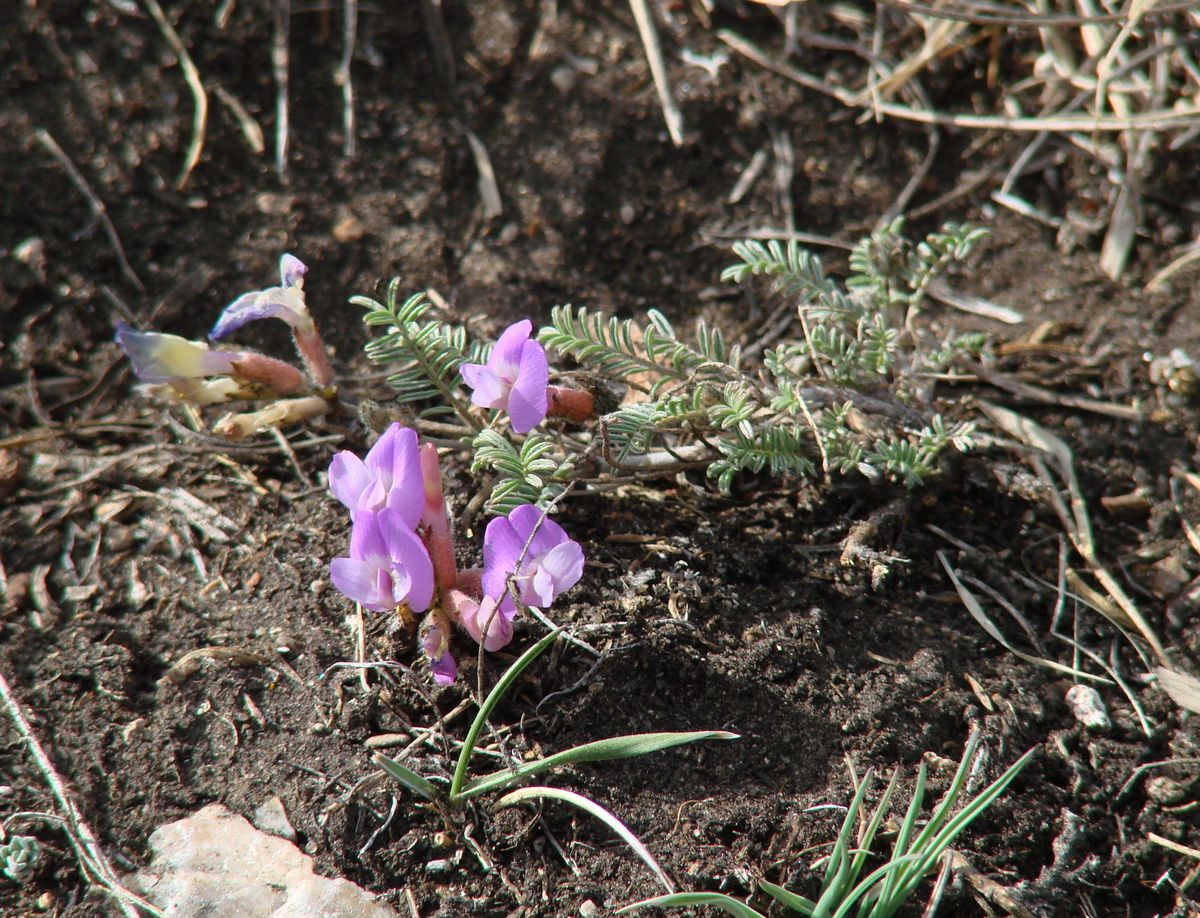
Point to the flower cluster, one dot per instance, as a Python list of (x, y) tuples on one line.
[(193, 372), (402, 554)]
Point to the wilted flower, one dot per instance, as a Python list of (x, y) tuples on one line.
[(285, 302), (387, 565), (435, 641), (159, 358), (514, 378), (390, 476), (552, 564), (162, 359)]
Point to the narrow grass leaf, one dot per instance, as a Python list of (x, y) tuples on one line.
[(787, 897), (615, 747), (506, 682), (410, 779), (976, 609), (932, 850), (728, 904), (593, 808)]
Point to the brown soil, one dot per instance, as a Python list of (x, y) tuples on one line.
[(729, 613)]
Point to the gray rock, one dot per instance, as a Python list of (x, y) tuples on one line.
[(215, 864)]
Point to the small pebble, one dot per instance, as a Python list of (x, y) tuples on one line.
[(441, 865), (318, 587), (588, 908), (386, 740), (271, 817), (1088, 707)]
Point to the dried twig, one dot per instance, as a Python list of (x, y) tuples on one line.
[(279, 67), (658, 70), (192, 77), (1051, 121), (99, 211), (343, 75)]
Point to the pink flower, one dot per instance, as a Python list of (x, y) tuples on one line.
[(552, 564), (514, 379), (387, 565), (489, 624), (390, 476)]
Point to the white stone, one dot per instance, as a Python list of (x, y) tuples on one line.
[(215, 864), (272, 818), (1088, 707)]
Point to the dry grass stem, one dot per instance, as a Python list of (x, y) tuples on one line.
[(658, 69), (99, 211), (192, 77)]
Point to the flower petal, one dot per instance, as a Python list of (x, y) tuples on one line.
[(475, 617), (527, 400), (395, 464), (160, 358), (437, 648), (366, 539), (526, 519), (408, 553), (349, 480), (292, 271), (488, 390), (501, 547), (286, 303), (359, 580), (557, 572), (505, 359)]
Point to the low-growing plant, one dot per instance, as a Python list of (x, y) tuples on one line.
[(916, 852), (19, 856), (463, 786), (851, 394)]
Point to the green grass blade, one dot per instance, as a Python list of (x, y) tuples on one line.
[(900, 848), (864, 843), (615, 747), (592, 808), (839, 859), (498, 691), (933, 850), (787, 897), (938, 819), (734, 907), (865, 886), (410, 779)]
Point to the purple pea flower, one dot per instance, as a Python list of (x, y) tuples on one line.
[(387, 565), (390, 477), (552, 564), (285, 302), (514, 379)]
